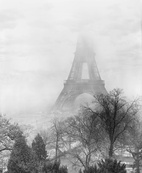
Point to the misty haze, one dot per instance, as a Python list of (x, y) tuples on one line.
[(58, 55), (38, 41)]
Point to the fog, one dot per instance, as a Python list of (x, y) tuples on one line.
[(37, 44)]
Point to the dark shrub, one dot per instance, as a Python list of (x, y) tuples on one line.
[(106, 166)]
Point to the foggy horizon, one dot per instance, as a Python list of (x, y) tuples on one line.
[(37, 44)]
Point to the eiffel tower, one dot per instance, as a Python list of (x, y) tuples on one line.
[(84, 77)]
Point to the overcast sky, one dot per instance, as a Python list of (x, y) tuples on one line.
[(38, 40)]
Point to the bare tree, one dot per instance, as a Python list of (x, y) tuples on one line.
[(116, 115), (52, 137), (84, 137), (56, 132)]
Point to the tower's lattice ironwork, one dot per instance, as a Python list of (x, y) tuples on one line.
[(77, 84)]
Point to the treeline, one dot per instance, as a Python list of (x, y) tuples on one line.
[(25, 159), (91, 140)]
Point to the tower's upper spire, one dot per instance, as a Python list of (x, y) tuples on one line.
[(84, 42)]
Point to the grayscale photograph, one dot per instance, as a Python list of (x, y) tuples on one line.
[(70, 86)]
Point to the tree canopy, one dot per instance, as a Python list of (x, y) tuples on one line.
[(20, 157), (8, 133), (39, 148)]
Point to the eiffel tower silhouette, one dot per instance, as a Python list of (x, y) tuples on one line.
[(84, 77)]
